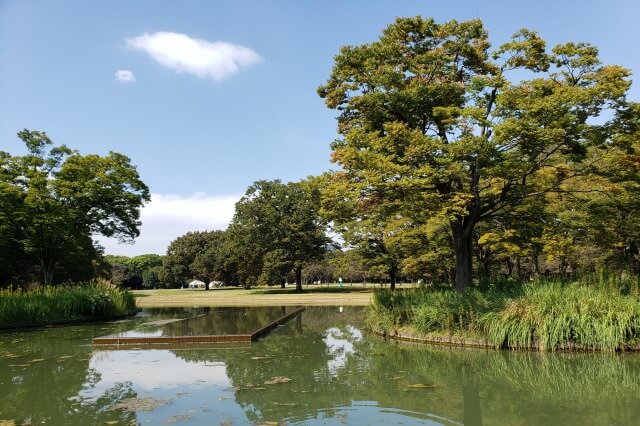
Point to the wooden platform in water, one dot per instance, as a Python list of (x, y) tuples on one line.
[(213, 338)]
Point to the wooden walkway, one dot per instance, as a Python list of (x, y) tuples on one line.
[(213, 338)]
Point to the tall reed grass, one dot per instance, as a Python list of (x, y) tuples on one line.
[(96, 300), (552, 316), (542, 315)]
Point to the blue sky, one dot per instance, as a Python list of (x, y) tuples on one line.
[(223, 93)]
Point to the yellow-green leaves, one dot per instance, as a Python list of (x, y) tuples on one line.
[(431, 126)]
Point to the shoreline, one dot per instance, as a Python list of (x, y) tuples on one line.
[(62, 322), (479, 343)]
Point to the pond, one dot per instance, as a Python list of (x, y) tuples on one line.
[(203, 321), (320, 368)]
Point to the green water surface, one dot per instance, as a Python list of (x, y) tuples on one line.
[(320, 368)]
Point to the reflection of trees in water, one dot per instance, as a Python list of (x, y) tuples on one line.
[(207, 321), (42, 384), (300, 352), (522, 387), (471, 386)]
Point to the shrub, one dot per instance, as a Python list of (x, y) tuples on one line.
[(97, 300), (551, 315), (543, 315)]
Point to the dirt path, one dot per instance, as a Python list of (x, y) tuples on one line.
[(241, 297)]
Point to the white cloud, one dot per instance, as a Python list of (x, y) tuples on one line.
[(149, 370), (125, 76), (183, 54), (167, 217)]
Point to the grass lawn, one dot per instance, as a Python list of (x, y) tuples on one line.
[(261, 296)]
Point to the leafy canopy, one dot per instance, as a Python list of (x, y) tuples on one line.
[(435, 125), (53, 200)]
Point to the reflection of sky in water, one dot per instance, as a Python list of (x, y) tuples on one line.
[(195, 389), (148, 370), (339, 345), (139, 333)]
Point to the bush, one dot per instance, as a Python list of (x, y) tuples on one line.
[(97, 300), (543, 315), (427, 308), (551, 315)]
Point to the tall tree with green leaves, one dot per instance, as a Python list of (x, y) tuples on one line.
[(52, 200), (185, 259), (433, 123), (276, 229), (209, 262), (131, 271)]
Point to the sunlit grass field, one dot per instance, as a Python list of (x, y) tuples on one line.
[(328, 295)]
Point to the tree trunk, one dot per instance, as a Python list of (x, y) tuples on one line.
[(298, 279), (536, 263), (282, 283), (48, 268), (519, 268), (463, 246), (393, 272), (472, 412), (635, 258)]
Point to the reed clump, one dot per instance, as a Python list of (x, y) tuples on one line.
[(540, 315), (87, 301), (562, 316)]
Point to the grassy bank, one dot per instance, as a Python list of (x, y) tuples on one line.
[(93, 301), (265, 296), (543, 315)]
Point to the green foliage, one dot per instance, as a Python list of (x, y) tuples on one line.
[(53, 200), (435, 308), (131, 271), (195, 255), (96, 300), (151, 277), (276, 229), (544, 315), (435, 129), (554, 316)]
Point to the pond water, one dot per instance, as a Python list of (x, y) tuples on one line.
[(203, 321), (320, 368)]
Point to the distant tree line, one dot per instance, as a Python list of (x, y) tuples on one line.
[(275, 231)]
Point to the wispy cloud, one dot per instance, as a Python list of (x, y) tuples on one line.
[(167, 217), (184, 54), (126, 76)]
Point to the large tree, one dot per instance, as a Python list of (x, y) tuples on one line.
[(276, 229), (131, 271), (436, 125), (192, 255), (53, 200)]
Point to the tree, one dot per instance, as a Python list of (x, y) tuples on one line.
[(276, 229), (432, 126), (151, 277), (53, 200), (194, 255), (131, 271), (209, 263)]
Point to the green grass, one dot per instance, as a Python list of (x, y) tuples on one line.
[(553, 316), (542, 315), (89, 301)]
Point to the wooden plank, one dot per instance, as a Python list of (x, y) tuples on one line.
[(267, 328), (201, 339)]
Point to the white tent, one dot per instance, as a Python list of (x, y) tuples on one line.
[(196, 284), (216, 284)]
